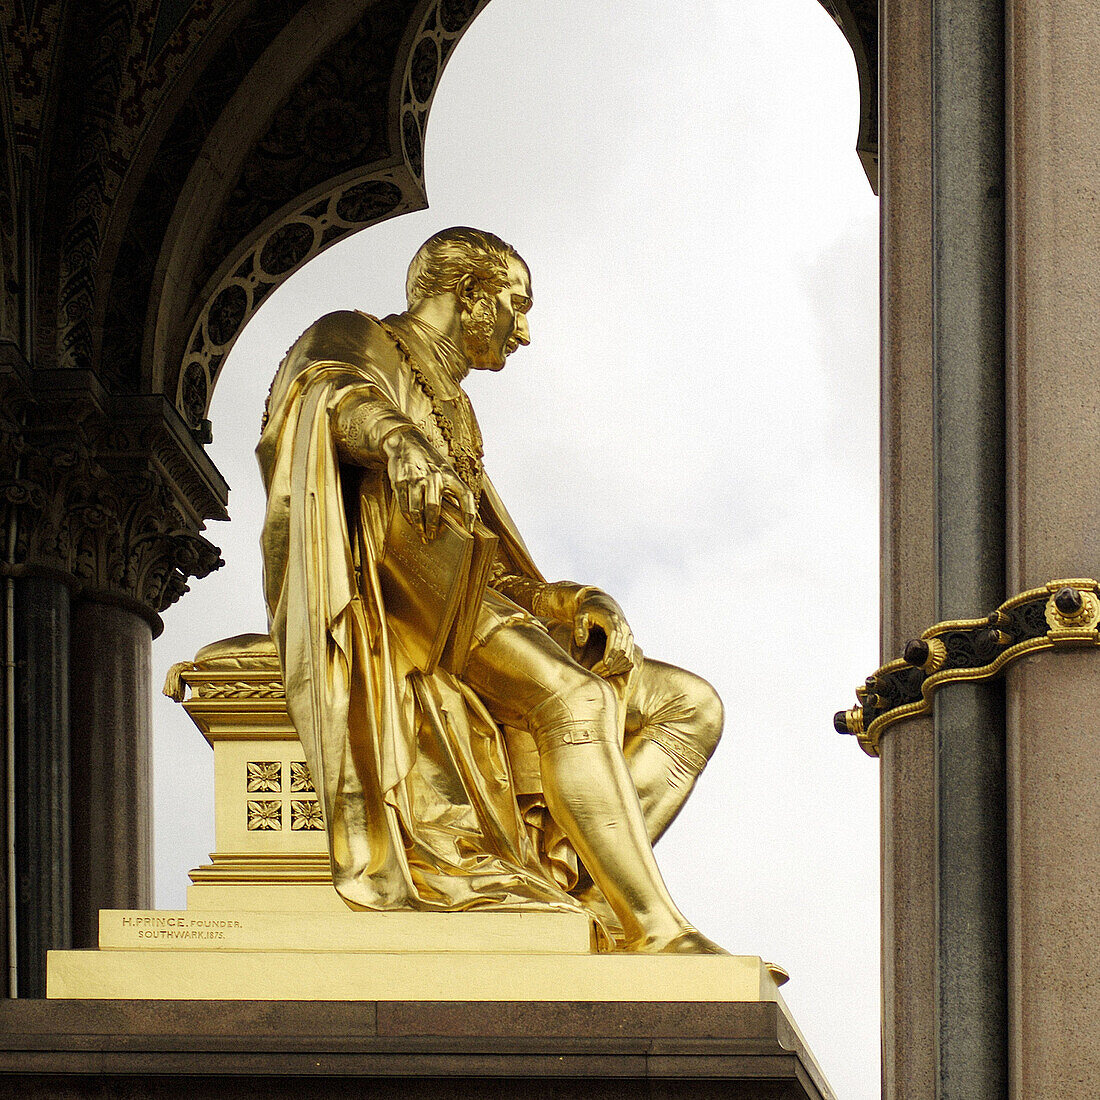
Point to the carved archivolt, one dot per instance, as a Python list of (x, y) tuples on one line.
[(327, 211), (276, 255), (127, 71)]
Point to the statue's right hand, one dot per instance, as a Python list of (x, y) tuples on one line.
[(420, 479)]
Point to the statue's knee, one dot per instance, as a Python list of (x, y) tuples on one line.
[(581, 709), (588, 698), (708, 717)]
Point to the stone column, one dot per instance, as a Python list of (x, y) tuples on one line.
[(1054, 532), (968, 405), (943, 540), (908, 550), (42, 814), (111, 724), (106, 498)]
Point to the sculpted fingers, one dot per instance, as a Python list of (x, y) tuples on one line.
[(415, 513), (415, 472), (598, 609), (433, 499), (615, 651), (457, 490), (421, 479), (619, 654), (468, 503), (403, 475), (625, 645), (616, 659), (401, 494)]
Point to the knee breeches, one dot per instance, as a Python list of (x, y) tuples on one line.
[(529, 682)]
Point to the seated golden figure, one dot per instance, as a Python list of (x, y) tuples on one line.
[(531, 766)]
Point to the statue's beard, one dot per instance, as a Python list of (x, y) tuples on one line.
[(478, 324)]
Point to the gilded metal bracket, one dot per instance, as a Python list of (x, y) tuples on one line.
[(1064, 613)]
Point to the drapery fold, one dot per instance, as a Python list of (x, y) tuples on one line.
[(414, 777)]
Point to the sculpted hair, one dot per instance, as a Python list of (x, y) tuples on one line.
[(443, 259)]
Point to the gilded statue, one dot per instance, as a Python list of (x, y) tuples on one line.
[(534, 769)]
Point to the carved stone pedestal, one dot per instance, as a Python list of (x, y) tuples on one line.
[(268, 828)]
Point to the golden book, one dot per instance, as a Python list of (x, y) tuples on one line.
[(433, 588)]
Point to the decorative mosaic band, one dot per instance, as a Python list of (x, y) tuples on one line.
[(1064, 613)]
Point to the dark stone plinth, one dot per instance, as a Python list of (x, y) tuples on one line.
[(224, 1049)]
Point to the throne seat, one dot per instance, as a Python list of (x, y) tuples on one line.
[(268, 823)]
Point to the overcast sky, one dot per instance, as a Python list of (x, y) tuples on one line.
[(693, 428)]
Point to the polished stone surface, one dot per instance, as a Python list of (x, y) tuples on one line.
[(968, 320), (1051, 480), (42, 777), (907, 774), (112, 794), (237, 974), (1054, 485), (127, 1049)]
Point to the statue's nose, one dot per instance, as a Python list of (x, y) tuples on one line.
[(523, 333)]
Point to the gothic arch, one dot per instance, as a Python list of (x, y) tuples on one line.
[(320, 135), (337, 146)]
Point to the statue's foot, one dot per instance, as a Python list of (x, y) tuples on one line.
[(689, 942), (692, 943)]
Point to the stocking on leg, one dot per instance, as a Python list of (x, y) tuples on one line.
[(524, 677)]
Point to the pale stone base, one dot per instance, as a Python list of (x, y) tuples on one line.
[(290, 953), (263, 922), (351, 976)]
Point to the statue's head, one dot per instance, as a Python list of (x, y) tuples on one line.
[(489, 284)]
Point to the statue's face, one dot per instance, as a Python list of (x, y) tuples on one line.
[(497, 325)]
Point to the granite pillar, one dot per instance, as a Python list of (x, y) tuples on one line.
[(943, 823), (908, 562), (968, 472), (1053, 525), (112, 780), (41, 774)]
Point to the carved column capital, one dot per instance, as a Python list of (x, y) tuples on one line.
[(110, 492)]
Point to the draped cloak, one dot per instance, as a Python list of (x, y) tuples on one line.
[(417, 786)]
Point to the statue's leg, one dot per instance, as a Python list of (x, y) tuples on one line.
[(527, 680), (673, 724)]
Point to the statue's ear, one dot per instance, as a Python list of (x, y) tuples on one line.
[(466, 291)]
